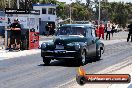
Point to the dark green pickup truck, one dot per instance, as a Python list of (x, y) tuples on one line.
[(73, 42)]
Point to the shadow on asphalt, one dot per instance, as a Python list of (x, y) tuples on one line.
[(67, 64), (60, 63)]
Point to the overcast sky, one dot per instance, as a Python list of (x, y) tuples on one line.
[(69, 1)]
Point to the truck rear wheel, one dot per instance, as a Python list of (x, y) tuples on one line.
[(99, 54)]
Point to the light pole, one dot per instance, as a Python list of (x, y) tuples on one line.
[(9, 3), (18, 4), (99, 15), (70, 12)]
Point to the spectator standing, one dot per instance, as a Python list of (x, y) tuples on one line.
[(101, 31), (15, 35), (47, 27), (108, 31), (113, 28), (52, 31), (130, 32), (9, 21)]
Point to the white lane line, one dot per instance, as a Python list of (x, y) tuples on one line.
[(105, 71), (3, 58), (62, 85), (8, 55)]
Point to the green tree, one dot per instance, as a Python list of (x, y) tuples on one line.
[(117, 12), (60, 10), (2, 4), (80, 11)]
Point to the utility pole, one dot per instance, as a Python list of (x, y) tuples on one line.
[(4, 3), (9, 3), (70, 12), (25, 4), (99, 15), (17, 4)]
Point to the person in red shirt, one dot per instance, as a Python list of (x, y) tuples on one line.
[(97, 32), (101, 31)]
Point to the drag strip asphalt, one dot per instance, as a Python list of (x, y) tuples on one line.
[(30, 72)]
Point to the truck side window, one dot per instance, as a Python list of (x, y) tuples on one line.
[(88, 33), (93, 33)]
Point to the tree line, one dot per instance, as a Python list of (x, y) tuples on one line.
[(117, 12)]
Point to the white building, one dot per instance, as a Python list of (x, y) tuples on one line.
[(47, 15)]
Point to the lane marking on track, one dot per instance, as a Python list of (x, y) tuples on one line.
[(62, 85), (108, 70)]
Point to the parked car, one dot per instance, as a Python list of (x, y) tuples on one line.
[(73, 42)]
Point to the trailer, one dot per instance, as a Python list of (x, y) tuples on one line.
[(29, 21)]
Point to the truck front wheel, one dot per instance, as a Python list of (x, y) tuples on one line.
[(46, 61)]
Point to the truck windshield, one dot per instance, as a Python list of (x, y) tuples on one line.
[(71, 31)]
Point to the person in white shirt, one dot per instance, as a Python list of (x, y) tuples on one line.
[(108, 31)]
